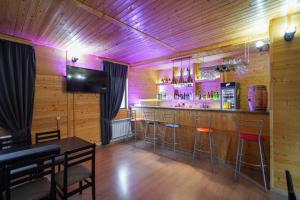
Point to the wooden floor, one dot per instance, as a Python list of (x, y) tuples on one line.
[(127, 172)]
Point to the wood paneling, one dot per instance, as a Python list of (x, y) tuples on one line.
[(79, 113), (258, 73), (141, 84), (285, 108), (123, 113), (87, 116), (133, 31), (50, 102)]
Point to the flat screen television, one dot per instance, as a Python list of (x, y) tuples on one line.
[(85, 80)]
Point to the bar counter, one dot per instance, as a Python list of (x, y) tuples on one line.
[(223, 125), (206, 109)]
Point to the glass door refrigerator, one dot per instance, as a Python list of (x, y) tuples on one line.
[(230, 96)]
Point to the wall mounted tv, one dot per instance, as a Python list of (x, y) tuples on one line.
[(85, 80)]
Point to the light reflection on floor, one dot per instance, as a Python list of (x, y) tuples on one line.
[(123, 182)]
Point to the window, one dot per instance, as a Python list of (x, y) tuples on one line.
[(125, 95)]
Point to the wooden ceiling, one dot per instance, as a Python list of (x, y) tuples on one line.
[(133, 31)]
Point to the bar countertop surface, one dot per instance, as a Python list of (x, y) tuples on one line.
[(204, 109)]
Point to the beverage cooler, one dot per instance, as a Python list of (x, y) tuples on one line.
[(230, 96)]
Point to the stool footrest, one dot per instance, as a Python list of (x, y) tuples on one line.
[(201, 150), (253, 165)]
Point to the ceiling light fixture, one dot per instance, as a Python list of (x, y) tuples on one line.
[(290, 33), (261, 46), (74, 59)]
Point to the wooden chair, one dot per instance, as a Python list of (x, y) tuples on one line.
[(47, 136), (74, 172), (7, 142), (30, 183)]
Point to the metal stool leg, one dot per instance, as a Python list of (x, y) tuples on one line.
[(145, 131), (128, 131), (162, 147), (241, 156), (174, 142), (237, 157), (181, 138), (154, 137), (195, 144), (262, 164), (135, 124), (211, 149)]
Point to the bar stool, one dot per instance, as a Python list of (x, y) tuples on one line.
[(150, 121), (253, 133), (203, 128), (169, 120), (133, 119)]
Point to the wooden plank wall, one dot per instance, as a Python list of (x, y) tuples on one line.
[(285, 108), (258, 74), (79, 113), (141, 84)]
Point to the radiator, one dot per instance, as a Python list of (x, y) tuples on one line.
[(120, 129)]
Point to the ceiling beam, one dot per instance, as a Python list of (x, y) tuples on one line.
[(16, 39), (101, 14), (114, 61), (226, 46)]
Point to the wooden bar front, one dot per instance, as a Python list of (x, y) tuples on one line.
[(225, 130)]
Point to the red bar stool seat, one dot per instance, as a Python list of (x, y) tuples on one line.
[(251, 131), (251, 137)]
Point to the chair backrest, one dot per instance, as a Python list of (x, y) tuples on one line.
[(149, 116), (169, 117), (47, 136), (77, 157), (8, 141), (203, 121), (290, 187), (32, 169), (250, 126)]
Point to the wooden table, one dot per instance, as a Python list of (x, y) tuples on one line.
[(56, 147)]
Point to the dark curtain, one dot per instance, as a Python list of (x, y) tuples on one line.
[(17, 81), (112, 99)]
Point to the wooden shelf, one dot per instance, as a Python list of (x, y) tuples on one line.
[(196, 100), (207, 81), (175, 86)]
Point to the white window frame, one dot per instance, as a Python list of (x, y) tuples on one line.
[(124, 104)]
